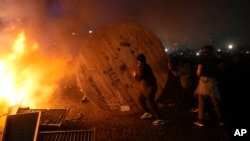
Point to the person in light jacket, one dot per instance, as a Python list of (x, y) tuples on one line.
[(207, 87)]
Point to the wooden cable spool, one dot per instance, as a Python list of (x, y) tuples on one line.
[(106, 60)]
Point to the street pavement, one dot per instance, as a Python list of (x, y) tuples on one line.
[(129, 127)]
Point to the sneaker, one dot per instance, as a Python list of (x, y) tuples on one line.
[(146, 115), (158, 122), (220, 123), (194, 110), (198, 123)]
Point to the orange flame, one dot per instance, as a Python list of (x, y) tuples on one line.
[(10, 76), (25, 75)]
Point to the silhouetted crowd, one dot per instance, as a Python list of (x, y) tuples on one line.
[(233, 77)]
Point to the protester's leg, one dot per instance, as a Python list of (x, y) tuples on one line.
[(183, 100), (155, 110), (179, 98), (191, 102), (201, 104), (152, 103), (215, 103), (142, 101)]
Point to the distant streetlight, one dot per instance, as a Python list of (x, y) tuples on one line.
[(166, 50), (230, 46)]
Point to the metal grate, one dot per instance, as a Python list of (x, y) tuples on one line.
[(75, 135), (22, 127), (49, 117)]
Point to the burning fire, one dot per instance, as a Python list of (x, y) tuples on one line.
[(25, 74), (15, 80)]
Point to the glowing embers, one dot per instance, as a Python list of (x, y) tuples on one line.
[(49, 117)]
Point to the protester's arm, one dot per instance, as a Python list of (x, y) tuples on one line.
[(175, 73), (198, 72), (137, 75)]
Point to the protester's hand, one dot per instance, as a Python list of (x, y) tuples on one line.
[(169, 66), (195, 96), (134, 73)]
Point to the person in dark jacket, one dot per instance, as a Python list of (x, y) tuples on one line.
[(148, 88)]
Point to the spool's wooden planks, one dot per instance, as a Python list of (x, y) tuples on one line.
[(106, 61)]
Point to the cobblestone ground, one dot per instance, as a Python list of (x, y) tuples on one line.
[(179, 123)]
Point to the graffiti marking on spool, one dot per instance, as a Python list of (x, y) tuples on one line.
[(93, 84), (112, 74), (123, 67)]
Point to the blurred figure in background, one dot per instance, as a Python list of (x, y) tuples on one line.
[(185, 95)]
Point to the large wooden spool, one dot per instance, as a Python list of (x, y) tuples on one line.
[(106, 60)]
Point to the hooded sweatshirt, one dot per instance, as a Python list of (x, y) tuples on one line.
[(145, 74)]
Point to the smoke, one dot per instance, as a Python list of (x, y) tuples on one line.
[(38, 73), (52, 24), (59, 27), (64, 24)]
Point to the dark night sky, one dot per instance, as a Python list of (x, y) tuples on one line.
[(190, 22)]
